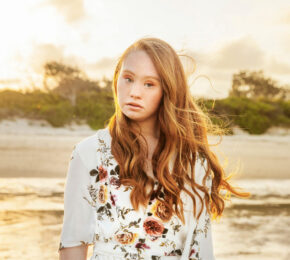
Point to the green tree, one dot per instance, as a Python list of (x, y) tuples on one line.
[(255, 85), (67, 81)]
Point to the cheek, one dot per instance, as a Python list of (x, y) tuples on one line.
[(158, 98), (121, 95), (154, 101)]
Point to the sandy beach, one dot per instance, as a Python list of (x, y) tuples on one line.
[(34, 159), (34, 149)]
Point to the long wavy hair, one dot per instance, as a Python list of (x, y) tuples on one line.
[(183, 138)]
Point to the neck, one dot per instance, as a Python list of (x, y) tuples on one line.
[(149, 129)]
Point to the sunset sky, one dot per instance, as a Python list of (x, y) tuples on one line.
[(222, 36)]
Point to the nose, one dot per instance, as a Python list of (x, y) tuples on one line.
[(135, 90)]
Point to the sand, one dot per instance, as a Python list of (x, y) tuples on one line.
[(30, 148), (32, 208)]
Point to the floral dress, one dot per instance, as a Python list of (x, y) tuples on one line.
[(98, 211)]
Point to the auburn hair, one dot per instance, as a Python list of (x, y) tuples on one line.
[(183, 132)]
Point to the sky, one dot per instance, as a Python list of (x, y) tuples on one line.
[(222, 36)]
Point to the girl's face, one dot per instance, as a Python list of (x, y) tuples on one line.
[(139, 83)]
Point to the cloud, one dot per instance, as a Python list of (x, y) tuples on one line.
[(43, 53), (239, 54), (72, 10), (277, 67), (103, 67), (104, 63), (285, 43), (284, 18), (219, 66), (243, 53)]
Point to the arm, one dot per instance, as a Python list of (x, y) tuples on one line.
[(201, 245), (74, 253), (79, 219)]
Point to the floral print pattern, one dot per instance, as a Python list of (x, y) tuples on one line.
[(131, 233), (153, 227), (160, 210), (126, 238)]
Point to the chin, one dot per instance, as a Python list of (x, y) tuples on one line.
[(135, 118), (132, 115)]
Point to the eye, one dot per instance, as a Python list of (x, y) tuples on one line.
[(149, 84), (129, 79)]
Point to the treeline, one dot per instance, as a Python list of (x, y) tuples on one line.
[(255, 104), (68, 95), (253, 116)]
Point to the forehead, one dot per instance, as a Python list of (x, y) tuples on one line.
[(140, 63)]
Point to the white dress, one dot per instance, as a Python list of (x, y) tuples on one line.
[(98, 211)]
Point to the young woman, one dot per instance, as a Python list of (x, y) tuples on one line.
[(147, 185)]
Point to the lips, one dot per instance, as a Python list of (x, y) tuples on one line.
[(134, 104)]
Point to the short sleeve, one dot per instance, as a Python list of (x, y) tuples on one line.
[(201, 246), (79, 214)]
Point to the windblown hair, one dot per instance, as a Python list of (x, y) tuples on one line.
[(183, 138)]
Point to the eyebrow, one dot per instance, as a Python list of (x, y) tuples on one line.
[(153, 77)]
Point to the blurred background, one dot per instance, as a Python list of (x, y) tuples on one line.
[(56, 67)]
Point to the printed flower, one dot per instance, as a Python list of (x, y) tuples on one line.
[(126, 238), (103, 174), (174, 253), (153, 227), (113, 199), (103, 194), (142, 245), (153, 238), (115, 181), (192, 252), (170, 254), (160, 210)]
